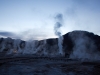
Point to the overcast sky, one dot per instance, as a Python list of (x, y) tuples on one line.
[(35, 19)]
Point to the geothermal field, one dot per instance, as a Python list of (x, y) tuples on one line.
[(78, 54), (49, 37)]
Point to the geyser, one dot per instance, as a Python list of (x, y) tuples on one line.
[(59, 19)]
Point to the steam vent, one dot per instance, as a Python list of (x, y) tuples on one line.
[(81, 55)]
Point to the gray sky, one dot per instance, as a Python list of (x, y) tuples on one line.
[(34, 19)]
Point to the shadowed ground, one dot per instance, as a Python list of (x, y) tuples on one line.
[(47, 66)]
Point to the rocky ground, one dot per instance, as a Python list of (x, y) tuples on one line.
[(47, 66)]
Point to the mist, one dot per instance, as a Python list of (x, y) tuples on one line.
[(84, 47)]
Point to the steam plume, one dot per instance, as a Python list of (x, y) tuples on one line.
[(59, 19)]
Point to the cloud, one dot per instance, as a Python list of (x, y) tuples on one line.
[(8, 34), (29, 34), (25, 35)]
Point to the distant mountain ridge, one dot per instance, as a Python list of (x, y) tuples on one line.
[(76, 44)]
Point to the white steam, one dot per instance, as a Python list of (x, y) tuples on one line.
[(84, 47), (59, 19)]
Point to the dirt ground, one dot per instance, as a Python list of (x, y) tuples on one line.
[(47, 66)]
